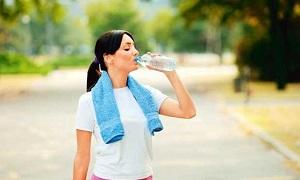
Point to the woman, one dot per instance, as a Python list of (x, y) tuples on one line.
[(116, 101)]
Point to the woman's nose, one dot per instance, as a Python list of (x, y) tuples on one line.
[(136, 52)]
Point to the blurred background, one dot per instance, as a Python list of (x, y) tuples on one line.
[(240, 58)]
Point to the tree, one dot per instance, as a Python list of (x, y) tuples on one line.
[(170, 33), (161, 26), (278, 17), (106, 15), (12, 10), (18, 12), (67, 36), (192, 39)]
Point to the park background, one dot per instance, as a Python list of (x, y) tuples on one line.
[(245, 55)]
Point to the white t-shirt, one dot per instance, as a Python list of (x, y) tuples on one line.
[(129, 158)]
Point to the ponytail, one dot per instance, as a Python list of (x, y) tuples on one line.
[(93, 75)]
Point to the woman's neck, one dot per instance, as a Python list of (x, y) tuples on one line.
[(118, 79)]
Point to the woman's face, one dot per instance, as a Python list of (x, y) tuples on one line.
[(123, 59)]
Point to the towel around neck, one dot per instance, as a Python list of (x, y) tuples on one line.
[(107, 113)]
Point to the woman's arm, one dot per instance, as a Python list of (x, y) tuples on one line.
[(183, 107), (82, 157)]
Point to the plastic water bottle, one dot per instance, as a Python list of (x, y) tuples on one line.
[(157, 61)]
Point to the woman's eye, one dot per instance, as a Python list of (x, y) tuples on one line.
[(126, 49)]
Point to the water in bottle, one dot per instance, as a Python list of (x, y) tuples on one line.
[(157, 61)]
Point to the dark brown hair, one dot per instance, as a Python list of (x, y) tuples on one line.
[(107, 43)]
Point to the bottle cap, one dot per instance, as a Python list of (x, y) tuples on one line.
[(137, 58)]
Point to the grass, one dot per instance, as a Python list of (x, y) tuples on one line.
[(281, 122), (258, 91)]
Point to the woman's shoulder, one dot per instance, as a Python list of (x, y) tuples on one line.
[(151, 88), (147, 86), (85, 97)]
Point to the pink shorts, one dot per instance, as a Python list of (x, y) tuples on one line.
[(94, 177)]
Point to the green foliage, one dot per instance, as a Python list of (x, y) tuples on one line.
[(50, 9), (161, 27), (190, 39), (119, 14), (18, 8), (12, 63), (10, 12), (222, 11), (27, 26), (37, 33), (70, 61), (64, 37), (171, 34)]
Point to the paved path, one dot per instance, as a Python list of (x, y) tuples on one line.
[(38, 140)]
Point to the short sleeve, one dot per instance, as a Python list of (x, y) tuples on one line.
[(84, 117), (158, 96)]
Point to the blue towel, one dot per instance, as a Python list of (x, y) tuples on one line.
[(107, 113)]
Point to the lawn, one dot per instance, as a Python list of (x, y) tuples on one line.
[(259, 91), (281, 122), (276, 112)]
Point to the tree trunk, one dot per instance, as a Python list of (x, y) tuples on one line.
[(278, 50), (286, 33)]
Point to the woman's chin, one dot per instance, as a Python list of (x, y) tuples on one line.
[(136, 67)]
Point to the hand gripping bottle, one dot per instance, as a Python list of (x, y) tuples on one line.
[(160, 62)]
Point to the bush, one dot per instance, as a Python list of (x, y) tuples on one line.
[(71, 61), (13, 63)]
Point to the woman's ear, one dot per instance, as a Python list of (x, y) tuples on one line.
[(107, 58)]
